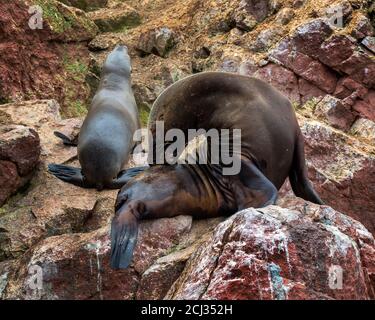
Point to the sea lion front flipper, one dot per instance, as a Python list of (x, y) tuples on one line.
[(66, 140), (259, 191), (68, 174), (125, 176), (124, 233)]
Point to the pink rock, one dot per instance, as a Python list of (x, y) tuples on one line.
[(19, 154), (366, 107), (309, 91), (281, 254), (306, 67), (335, 112), (342, 170), (335, 50), (282, 79)]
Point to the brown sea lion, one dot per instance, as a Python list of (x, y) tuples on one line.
[(106, 138), (272, 148)]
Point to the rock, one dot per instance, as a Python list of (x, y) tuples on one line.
[(308, 37), (284, 16), (369, 43), (308, 91), (308, 252), (49, 206), (342, 170), (348, 88), (116, 18), (298, 3), (304, 66), (67, 24), (361, 27), (283, 79), (76, 266), (266, 39), (337, 49), (157, 41), (86, 5), (336, 113), (19, 157), (366, 107), (43, 63), (364, 129)]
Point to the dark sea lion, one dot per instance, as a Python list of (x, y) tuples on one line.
[(272, 148), (106, 138)]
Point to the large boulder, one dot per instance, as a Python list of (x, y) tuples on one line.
[(304, 252), (19, 156), (342, 169), (76, 266)]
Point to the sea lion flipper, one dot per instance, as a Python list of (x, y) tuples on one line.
[(124, 232), (260, 192), (68, 174), (66, 140), (125, 176)]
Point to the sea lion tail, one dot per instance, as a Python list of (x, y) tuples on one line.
[(124, 233), (298, 178)]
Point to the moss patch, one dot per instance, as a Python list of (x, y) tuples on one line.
[(58, 22), (143, 116)]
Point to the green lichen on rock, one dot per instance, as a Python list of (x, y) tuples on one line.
[(62, 19), (76, 72), (143, 116)]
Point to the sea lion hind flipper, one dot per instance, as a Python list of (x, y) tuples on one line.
[(68, 174), (259, 192), (125, 176), (298, 178), (65, 139), (124, 234)]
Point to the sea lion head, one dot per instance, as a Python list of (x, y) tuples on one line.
[(100, 167), (153, 193), (118, 61)]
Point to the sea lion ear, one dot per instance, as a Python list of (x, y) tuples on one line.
[(120, 200)]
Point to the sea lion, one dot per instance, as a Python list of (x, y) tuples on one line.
[(105, 140), (272, 148)]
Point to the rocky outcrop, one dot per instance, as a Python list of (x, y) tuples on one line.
[(43, 53), (19, 156), (76, 266), (305, 252)]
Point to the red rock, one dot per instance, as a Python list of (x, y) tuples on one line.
[(275, 253), (308, 91), (19, 155), (76, 266), (366, 107), (31, 61), (335, 50), (282, 79), (335, 112), (347, 87), (362, 27), (342, 170), (9, 180), (20, 145), (308, 37), (306, 67)]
